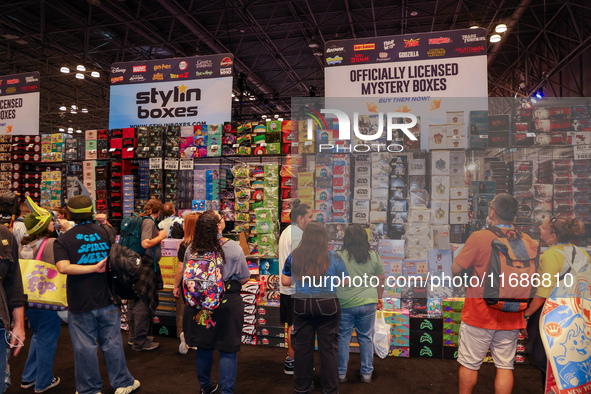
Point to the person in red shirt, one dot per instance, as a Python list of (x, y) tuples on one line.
[(483, 327)]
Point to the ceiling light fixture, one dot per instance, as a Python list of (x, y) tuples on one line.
[(70, 129), (95, 74), (313, 43), (275, 116), (474, 25), (80, 67), (414, 13), (318, 52), (501, 28), (79, 75), (65, 70), (84, 110), (280, 119), (74, 106), (74, 112), (62, 129), (79, 131), (63, 108), (264, 116), (495, 38)]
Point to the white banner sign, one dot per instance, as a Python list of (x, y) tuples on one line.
[(19, 104)]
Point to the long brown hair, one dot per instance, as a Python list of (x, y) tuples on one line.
[(205, 237), (189, 227), (310, 258), (356, 243)]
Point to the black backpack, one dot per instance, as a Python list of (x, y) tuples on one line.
[(124, 265)]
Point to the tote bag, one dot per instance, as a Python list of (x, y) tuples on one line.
[(381, 337), (43, 284)]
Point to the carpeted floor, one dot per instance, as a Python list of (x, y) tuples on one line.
[(260, 370)]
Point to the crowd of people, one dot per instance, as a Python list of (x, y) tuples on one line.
[(77, 242)]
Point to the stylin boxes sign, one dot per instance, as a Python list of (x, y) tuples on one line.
[(344, 130), (172, 92)]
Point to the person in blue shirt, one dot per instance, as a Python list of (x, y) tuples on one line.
[(317, 273)]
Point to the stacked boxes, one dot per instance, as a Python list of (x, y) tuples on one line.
[(242, 197), (498, 131), (426, 337), (52, 147), (452, 317), (164, 320), (172, 141), (399, 333), (214, 140), (26, 148), (582, 189), (458, 190), (156, 185), (117, 192), (380, 187), (499, 172), (51, 189), (272, 138), (440, 186), (102, 144), (229, 139), (128, 194), (116, 144), (418, 235), (251, 293), (561, 174), (101, 175), (523, 180), (391, 252), (90, 143), (341, 186), (266, 217), (7, 172), (30, 180), (269, 330), (89, 177), (186, 144), (129, 143), (362, 189), (478, 129), (323, 192), (149, 142)]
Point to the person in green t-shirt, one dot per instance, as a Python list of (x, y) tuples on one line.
[(360, 300)]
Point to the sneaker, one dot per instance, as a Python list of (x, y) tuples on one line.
[(213, 387), (151, 346), (128, 389), (183, 348), (130, 340), (54, 383), (366, 378), (26, 385), (288, 370)]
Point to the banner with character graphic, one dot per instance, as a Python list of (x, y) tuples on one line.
[(565, 327)]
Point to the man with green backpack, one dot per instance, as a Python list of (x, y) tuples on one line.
[(141, 234)]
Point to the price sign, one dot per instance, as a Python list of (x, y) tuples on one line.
[(186, 164), (582, 152), (171, 163), (155, 163)]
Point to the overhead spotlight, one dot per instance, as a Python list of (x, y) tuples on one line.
[(65, 70), (79, 75), (95, 74), (74, 112), (474, 25), (275, 116), (62, 129), (84, 110), (414, 13), (79, 131), (233, 95), (318, 52), (268, 119), (533, 100), (63, 108), (495, 38), (80, 67), (501, 28), (280, 119), (313, 43), (539, 94), (264, 116), (70, 129), (70, 132), (74, 106)]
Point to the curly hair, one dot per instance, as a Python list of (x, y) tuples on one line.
[(205, 237), (567, 229), (153, 206)]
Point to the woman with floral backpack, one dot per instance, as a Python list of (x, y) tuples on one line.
[(214, 314)]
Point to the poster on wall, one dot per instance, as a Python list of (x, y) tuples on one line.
[(19, 104), (442, 64), (181, 91)]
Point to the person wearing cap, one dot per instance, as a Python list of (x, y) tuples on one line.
[(45, 324), (12, 300), (93, 319)]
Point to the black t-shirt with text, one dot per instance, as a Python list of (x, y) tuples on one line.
[(85, 244)]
